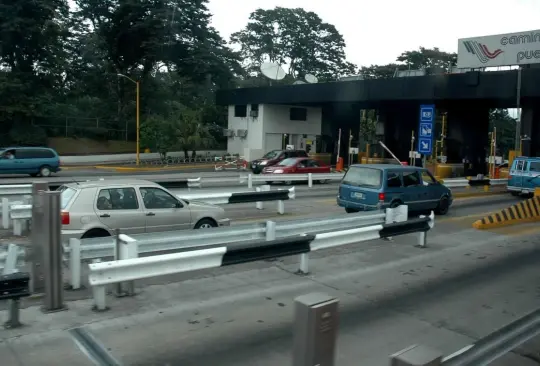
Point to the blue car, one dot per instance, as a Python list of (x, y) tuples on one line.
[(524, 176), (35, 161), (378, 186)]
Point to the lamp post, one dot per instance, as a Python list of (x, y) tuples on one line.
[(137, 83)]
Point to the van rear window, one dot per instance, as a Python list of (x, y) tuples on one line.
[(363, 177)]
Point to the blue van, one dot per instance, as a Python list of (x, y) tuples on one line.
[(36, 161), (524, 176), (378, 186)]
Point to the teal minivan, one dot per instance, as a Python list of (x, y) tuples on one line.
[(524, 176), (35, 161), (378, 186)]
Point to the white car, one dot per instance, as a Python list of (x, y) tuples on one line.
[(96, 208)]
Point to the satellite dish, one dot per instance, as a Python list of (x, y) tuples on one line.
[(272, 71), (312, 79), (298, 82)]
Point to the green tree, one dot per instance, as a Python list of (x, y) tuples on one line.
[(32, 60), (380, 71), (506, 129), (190, 131), (428, 58), (157, 134), (296, 38)]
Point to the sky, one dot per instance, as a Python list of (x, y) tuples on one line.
[(377, 31)]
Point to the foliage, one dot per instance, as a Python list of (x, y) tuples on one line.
[(368, 123), (296, 38), (156, 134), (433, 60), (23, 134), (506, 130)]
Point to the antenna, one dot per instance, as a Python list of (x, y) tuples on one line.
[(312, 79), (272, 71)]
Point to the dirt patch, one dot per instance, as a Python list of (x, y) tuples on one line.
[(85, 146)]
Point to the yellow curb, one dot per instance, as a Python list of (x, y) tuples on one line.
[(152, 169), (477, 194), (76, 167)]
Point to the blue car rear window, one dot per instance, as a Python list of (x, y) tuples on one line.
[(363, 177)]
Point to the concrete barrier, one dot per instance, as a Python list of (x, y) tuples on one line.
[(522, 212)]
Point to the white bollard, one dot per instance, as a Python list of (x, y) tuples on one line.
[(281, 207), (250, 181), (5, 213), (258, 205), (310, 180), (304, 263), (75, 263)]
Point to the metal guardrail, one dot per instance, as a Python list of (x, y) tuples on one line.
[(19, 214), (481, 353), (10, 258), (128, 267), (78, 250), (310, 178)]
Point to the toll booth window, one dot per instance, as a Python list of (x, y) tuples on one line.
[(534, 166), (393, 180), (254, 107), (240, 110), (411, 179), (298, 114)]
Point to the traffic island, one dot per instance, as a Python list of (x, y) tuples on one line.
[(523, 212)]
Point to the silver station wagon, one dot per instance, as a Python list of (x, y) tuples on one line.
[(96, 208)]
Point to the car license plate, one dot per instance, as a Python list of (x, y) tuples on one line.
[(357, 195)]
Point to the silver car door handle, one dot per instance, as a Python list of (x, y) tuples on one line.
[(105, 215), (150, 214)]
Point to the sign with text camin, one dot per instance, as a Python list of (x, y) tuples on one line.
[(500, 50)]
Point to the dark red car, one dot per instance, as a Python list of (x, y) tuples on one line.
[(297, 166), (274, 157)]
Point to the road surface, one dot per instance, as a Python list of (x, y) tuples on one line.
[(466, 284)]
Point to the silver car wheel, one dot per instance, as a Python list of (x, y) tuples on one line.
[(205, 226)]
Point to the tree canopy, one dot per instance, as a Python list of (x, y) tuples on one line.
[(60, 62), (297, 39)]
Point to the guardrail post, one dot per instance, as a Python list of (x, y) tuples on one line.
[(258, 205), (75, 263), (54, 295), (117, 256), (304, 264), (416, 355), (5, 212), (486, 188), (100, 295), (315, 330), (310, 180), (128, 250), (250, 181), (270, 230), (14, 286), (10, 265), (37, 282), (281, 207)]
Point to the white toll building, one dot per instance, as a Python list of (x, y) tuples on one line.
[(254, 129), (520, 48)]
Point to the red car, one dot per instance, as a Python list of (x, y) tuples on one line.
[(297, 166)]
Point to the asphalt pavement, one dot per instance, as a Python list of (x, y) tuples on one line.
[(466, 284)]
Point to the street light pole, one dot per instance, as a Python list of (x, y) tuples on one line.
[(137, 84), (138, 122)]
